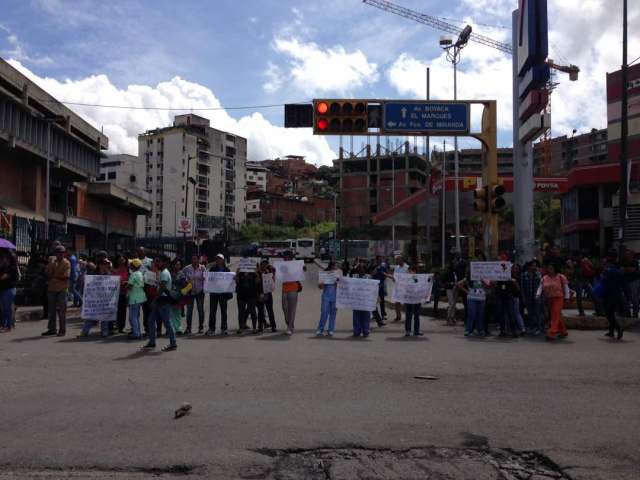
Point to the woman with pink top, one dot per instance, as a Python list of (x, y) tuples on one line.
[(555, 288)]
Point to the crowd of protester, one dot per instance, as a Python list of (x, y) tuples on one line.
[(156, 294)]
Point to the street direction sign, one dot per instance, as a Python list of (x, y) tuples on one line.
[(442, 118)]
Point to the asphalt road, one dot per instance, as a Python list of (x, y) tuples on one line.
[(263, 405)]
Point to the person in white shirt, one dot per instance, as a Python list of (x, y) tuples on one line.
[(400, 267)]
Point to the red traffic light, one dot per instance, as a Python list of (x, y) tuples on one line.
[(323, 124), (322, 107)]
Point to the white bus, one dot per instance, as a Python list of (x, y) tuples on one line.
[(275, 248), (305, 249)]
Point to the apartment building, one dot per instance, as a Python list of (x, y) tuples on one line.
[(193, 172), (257, 176), (126, 171)]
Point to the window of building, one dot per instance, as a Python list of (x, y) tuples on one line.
[(111, 175), (101, 177)]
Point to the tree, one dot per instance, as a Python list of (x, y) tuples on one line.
[(546, 219), (326, 173)]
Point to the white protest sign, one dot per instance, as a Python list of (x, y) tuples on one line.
[(219, 282), (100, 298), (151, 278), (491, 271), (289, 271), (329, 277), (268, 283), (412, 288), (248, 264), (357, 294)]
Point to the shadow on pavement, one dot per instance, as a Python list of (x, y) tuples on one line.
[(407, 339), (138, 354)]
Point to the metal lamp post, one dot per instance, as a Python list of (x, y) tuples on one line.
[(453, 56)]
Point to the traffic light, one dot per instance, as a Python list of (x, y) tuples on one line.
[(340, 117), (298, 115), (497, 200), (481, 199)]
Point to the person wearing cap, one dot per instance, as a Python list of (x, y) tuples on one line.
[(58, 273), (194, 274), (135, 297), (290, 297), (218, 300)]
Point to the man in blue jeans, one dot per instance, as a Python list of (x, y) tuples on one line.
[(161, 308)]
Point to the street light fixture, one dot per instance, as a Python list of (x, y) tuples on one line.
[(453, 56)]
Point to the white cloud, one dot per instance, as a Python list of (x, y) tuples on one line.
[(18, 50), (586, 33), (275, 78), (313, 69), (122, 126), (481, 76)]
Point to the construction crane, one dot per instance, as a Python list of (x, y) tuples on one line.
[(436, 23), (440, 24)]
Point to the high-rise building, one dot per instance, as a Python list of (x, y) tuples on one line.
[(193, 172)]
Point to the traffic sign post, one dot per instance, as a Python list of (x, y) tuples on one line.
[(426, 118), (410, 117)]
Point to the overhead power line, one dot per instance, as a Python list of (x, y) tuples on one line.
[(201, 109)]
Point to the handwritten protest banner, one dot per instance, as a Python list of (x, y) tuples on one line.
[(219, 282), (100, 298), (412, 288), (491, 271), (151, 278), (248, 264), (290, 271), (328, 278), (268, 283), (357, 294)]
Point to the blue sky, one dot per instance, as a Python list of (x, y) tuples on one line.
[(236, 53)]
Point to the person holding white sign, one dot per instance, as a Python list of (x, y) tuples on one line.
[(328, 307), (412, 313), (361, 318), (476, 292), (218, 299), (290, 292), (104, 269)]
